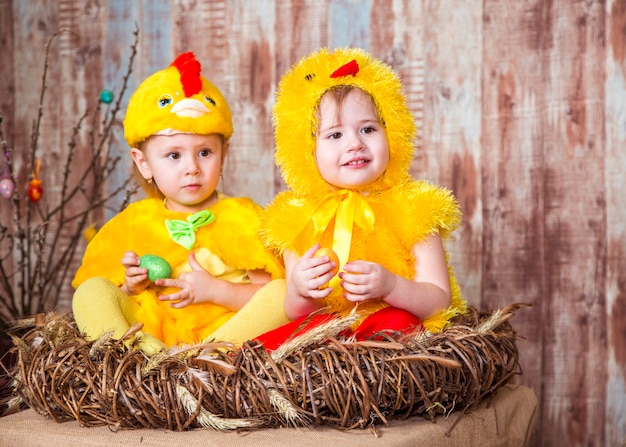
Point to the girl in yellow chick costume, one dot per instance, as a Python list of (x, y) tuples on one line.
[(178, 126), (344, 144)]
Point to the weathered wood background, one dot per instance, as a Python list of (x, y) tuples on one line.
[(521, 107)]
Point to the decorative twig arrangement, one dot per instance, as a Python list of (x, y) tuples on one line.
[(34, 264), (336, 382)]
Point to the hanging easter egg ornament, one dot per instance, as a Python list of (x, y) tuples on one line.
[(6, 184), (7, 187), (106, 96), (35, 191)]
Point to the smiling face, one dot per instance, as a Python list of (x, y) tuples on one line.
[(185, 168), (352, 151)]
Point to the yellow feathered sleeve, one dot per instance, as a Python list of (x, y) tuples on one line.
[(283, 220), (128, 230)]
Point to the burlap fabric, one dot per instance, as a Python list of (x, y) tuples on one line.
[(505, 421)]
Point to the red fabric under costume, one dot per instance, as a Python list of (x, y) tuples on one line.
[(389, 319)]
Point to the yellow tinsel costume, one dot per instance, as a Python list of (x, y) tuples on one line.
[(404, 211)]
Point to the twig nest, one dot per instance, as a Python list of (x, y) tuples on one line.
[(336, 382)]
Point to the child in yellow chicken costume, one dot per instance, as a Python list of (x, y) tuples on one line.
[(178, 126), (344, 144)]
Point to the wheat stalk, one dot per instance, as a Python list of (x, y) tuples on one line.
[(207, 419)]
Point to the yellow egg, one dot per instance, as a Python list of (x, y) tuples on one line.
[(332, 256)]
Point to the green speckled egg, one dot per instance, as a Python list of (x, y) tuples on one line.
[(156, 265)]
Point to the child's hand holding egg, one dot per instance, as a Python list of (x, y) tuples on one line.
[(332, 257)]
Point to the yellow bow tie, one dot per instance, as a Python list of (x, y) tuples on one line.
[(348, 208), (183, 232)]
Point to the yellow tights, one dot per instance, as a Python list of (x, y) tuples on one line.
[(99, 306)]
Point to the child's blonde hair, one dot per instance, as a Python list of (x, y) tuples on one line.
[(338, 95)]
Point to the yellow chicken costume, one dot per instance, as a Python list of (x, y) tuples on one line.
[(381, 222), (224, 237)]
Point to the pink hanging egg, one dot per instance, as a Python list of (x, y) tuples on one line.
[(7, 187)]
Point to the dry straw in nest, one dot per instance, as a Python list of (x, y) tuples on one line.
[(321, 379)]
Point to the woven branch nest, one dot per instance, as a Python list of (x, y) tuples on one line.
[(316, 379)]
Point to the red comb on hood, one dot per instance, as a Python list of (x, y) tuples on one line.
[(351, 68), (189, 69)]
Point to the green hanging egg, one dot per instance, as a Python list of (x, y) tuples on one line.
[(106, 96)]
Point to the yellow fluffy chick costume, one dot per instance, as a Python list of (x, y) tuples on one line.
[(381, 222), (224, 237)]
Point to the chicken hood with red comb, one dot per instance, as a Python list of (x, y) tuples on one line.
[(177, 99), (295, 118)]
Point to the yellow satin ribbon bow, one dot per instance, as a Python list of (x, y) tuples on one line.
[(183, 232), (348, 208)]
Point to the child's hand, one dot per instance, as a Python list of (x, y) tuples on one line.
[(362, 280), (305, 276), (193, 285), (136, 277), (308, 274)]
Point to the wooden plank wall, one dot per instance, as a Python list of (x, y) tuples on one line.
[(521, 108)]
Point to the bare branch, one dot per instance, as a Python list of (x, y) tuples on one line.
[(38, 251)]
